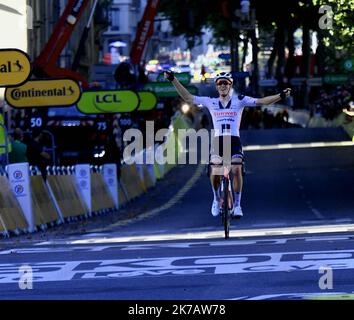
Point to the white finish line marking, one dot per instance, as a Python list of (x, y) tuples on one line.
[(58, 271), (299, 145), (67, 247), (218, 234)]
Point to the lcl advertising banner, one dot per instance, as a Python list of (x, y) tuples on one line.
[(111, 101)]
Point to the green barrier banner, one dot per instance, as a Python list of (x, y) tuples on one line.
[(15, 67), (148, 100), (184, 78), (335, 78), (110, 101), (348, 64), (44, 93), (166, 89)]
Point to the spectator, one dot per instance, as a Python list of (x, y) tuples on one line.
[(331, 102), (113, 153), (36, 154), (18, 148), (202, 73)]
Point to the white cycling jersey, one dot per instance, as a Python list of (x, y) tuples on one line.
[(226, 120)]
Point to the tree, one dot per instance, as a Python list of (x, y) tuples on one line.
[(280, 18), (336, 37)]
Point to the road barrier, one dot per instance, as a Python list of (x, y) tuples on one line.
[(28, 202), (109, 173), (67, 195), (11, 216), (122, 196), (342, 120), (42, 201), (19, 178), (101, 197), (148, 177), (131, 182), (83, 182)]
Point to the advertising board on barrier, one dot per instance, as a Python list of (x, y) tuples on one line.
[(110, 177), (15, 67), (19, 178), (44, 93), (83, 180)]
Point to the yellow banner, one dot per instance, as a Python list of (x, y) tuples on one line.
[(15, 67), (44, 93)]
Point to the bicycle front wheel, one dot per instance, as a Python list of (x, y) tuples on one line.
[(226, 210)]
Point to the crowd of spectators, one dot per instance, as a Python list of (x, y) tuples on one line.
[(258, 118), (329, 103)]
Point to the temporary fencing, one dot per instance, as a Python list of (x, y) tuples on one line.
[(11, 216), (101, 197), (28, 202), (131, 182), (42, 201), (66, 194)]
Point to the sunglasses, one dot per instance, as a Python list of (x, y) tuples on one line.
[(225, 83)]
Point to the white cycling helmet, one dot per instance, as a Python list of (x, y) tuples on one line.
[(224, 75)]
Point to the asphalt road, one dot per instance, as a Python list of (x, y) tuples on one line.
[(295, 240)]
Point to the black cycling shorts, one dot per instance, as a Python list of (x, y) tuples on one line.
[(229, 148)]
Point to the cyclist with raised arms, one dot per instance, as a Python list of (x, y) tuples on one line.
[(226, 112)]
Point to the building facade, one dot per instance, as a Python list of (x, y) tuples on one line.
[(124, 16), (45, 17)]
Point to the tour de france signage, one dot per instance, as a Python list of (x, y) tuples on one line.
[(44, 93), (110, 101), (15, 67)]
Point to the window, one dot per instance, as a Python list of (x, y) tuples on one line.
[(114, 19)]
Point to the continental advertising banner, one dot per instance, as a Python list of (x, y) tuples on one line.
[(44, 93), (15, 67)]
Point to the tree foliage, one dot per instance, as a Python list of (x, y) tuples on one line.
[(341, 35), (188, 17)]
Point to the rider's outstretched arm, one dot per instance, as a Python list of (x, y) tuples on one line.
[(273, 99), (182, 91)]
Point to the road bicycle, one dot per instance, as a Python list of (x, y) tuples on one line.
[(226, 200)]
